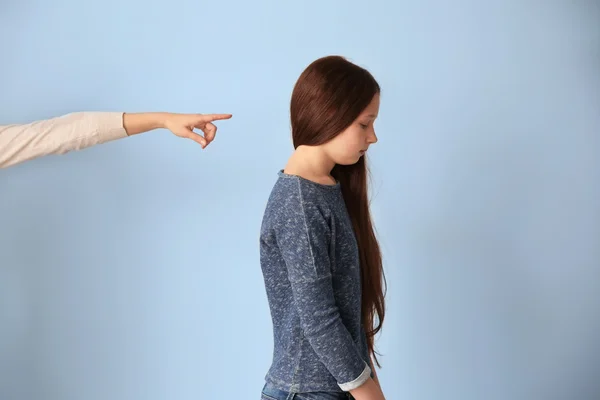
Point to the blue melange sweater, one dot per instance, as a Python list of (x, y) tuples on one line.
[(310, 264)]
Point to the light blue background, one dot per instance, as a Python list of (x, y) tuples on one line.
[(130, 270)]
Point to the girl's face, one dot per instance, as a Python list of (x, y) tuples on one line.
[(353, 142)]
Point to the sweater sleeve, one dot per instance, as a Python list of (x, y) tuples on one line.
[(303, 236), (75, 131)]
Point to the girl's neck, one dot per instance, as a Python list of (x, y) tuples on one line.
[(311, 162)]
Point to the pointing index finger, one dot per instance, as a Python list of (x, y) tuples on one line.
[(215, 117)]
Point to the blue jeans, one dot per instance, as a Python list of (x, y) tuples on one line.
[(271, 393)]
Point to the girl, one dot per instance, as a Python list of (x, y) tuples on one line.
[(320, 258)]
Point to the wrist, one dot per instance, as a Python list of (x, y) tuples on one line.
[(135, 123), (160, 120)]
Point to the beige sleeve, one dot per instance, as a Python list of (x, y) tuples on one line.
[(75, 131)]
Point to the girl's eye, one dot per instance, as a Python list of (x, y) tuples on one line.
[(364, 126)]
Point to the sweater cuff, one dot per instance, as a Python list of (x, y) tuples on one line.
[(362, 378), (109, 126)]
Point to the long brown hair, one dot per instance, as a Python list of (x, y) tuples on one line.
[(327, 98)]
